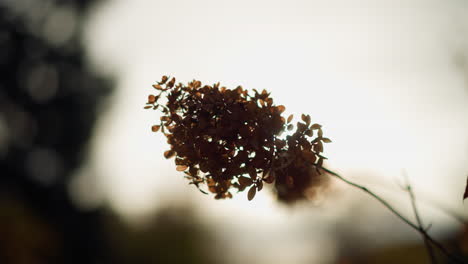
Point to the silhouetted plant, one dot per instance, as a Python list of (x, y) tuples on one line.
[(229, 139)]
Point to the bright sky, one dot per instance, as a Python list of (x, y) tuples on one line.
[(380, 76)]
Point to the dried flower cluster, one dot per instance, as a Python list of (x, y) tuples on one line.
[(229, 139)]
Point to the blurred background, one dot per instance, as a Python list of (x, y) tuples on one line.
[(83, 178)]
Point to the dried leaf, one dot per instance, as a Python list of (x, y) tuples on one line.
[(181, 167), (171, 83), (301, 127), (253, 174), (169, 154), (148, 107), (212, 189), (320, 133), (251, 193), (290, 118), (165, 118), (290, 127), (243, 181), (326, 140), (259, 185), (155, 128), (281, 108), (307, 119), (318, 147), (315, 126), (157, 87)]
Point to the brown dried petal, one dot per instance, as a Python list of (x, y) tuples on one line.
[(252, 173), (320, 133), (181, 167), (243, 181), (157, 87), (259, 185), (151, 98), (281, 108), (169, 154), (315, 126), (251, 193)]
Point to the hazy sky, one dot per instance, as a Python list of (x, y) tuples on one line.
[(380, 76)]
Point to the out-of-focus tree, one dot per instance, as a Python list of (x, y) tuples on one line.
[(48, 106), (49, 101)]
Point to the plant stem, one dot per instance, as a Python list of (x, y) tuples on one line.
[(418, 219), (399, 215)]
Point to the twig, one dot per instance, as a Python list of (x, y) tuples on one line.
[(418, 218), (396, 213)]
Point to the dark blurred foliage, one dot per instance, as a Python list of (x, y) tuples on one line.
[(49, 99), (48, 106), (173, 235)]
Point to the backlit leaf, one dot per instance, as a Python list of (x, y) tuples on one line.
[(151, 98), (243, 181), (316, 126), (181, 167), (281, 108), (157, 87), (169, 154), (259, 185), (251, 193), (253, 174)]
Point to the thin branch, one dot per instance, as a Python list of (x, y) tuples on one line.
[(418, 219), (430, 201), (399, 215)]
